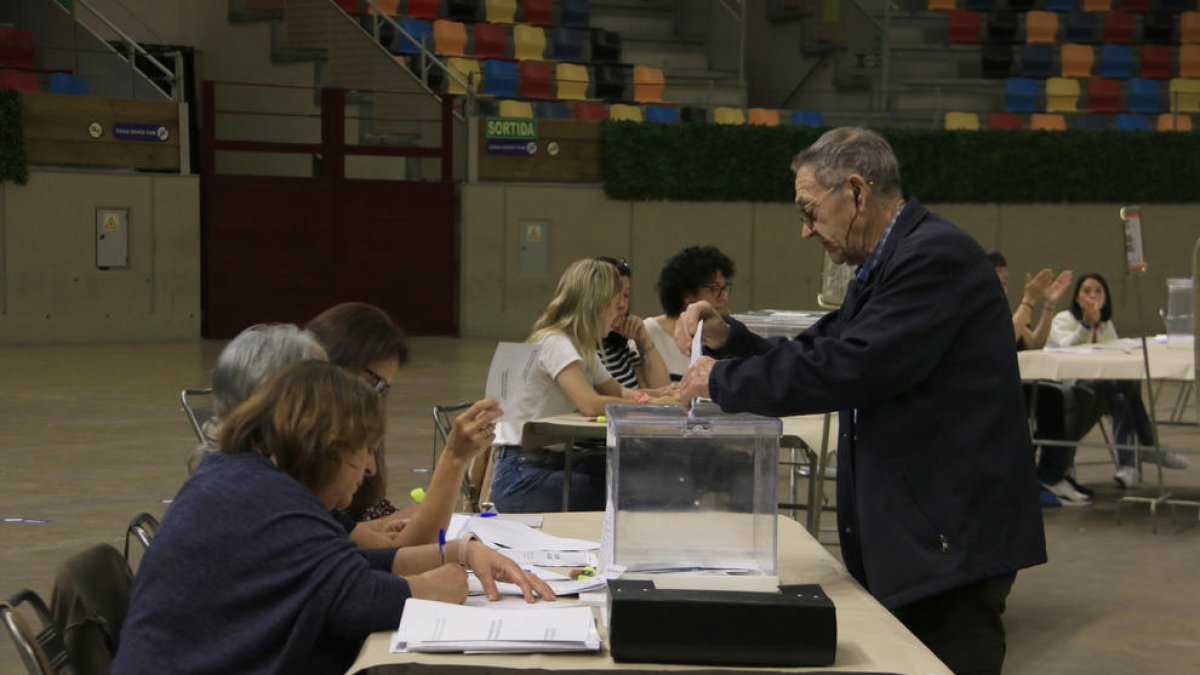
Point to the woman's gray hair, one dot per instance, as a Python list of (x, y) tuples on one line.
[(846, 150), (244, 365)]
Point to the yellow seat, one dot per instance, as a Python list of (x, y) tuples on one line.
[(449, 37), (726, 115), (388, 7), (623, 112), (500, 11), (1041, 27), (941, 5), (1189, 60), (1185, 95), (648, 84), (467, 69), (510, 108), (962, 121), (1062, 94), (1077, 60), (1174, 122), (763, 117), (1047, 122), (572, 81), (529, 42)]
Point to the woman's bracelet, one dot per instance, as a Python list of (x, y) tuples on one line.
[(463, 542)]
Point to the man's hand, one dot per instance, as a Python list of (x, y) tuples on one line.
[(695, 381), (716, 331)]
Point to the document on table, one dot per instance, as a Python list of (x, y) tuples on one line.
[(497, 532), (428, 626), (506, 380), (697, 343), (527, 557), (566, 586)]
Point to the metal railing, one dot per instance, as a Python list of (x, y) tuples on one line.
[(108, 33)]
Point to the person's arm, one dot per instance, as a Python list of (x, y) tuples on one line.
[(588, 399), (651, 369), (368, 538), (432, 572), (1050, 295)]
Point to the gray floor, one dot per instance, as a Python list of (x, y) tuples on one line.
[(90, 436)]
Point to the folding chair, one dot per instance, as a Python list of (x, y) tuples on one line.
[(90, 601), (142, 527), (196, 415), (42, 652), (477, 481)]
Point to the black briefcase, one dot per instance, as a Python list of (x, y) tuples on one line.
[(795, 627)]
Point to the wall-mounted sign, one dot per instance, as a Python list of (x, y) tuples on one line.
[(135, 131), (510, 127), (95, 130)]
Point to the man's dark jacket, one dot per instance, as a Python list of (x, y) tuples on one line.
[(936, 484)]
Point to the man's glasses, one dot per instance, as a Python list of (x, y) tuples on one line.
[(809, 211), (380, 385), (719, 289)]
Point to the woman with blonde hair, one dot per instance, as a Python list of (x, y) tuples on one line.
[(566, 375)]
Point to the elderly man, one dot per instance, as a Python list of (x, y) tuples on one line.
[(936, 494)]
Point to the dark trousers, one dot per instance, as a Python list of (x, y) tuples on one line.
[(962, 626), (1064, 413), (1131, 422)]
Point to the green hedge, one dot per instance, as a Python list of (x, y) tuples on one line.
[(703, 162), (12, 139)]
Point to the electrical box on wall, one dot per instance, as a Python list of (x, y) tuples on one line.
[(534, 248), (112, 238)]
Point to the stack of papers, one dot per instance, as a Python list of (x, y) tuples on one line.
[(429, 626)]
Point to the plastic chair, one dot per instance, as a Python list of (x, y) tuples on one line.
[(623, 112), (423, 9), (61, 83), (552, 110), (42, 651), (610, 82), (1004, 122), (1118, 28), (661, 114), (727, 115), (572, 82), (491, 40), (606, 46), (1128, 122), (1080, 27), (808, 118), (1098, 6), (1002, 26), (1037, 61), (1174, 122), (961, 121), (1062, 94), (537, 12), (1077, 60), (449, 37), (196, 415), (499, 78), (1189, 28), (764, 117), (529, 42), (536, 79), (566, 44), (500, 11), (1047, 122), (1021, 95), (648, 84), (1159, 28), (16, 47), (1156, 62), (466, 11), (1143, 96), (1116, 61), (1184, 95), (1189, 60), (468, 70), (421, 31), (511, 108), (590, 112), (942, 5), (142, 528), (576, 13), (19, 80), (1041, 27), (996, 60), (963, 26), (1104, 95)]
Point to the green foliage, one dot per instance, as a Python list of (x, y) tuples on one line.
[(703, 162), (12, 139)]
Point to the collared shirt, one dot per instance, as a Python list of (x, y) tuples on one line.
[(865, 270)]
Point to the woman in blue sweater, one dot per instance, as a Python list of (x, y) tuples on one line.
[(249, 572)]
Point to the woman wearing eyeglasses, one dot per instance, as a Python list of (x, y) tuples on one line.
[(364, 340), (567, 375), (696, 273)]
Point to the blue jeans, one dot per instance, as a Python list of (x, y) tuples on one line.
[(532, 481), (1131, 422)]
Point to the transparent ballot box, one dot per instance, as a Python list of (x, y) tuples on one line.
[(1180, 316), (771, 323), (691, 492)]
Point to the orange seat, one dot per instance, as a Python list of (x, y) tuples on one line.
[(1097, 5), (1189, 60), (763, 117), (941, 5), (1189, 28), (388, 7), (1047, 122), (1077, 60), (449, 37), (1041, 27), (1172, 122), (648, 84)]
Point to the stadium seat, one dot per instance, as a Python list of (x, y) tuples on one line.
[(1002, 26), (610, 82), (575, 13), (727, 115), (491, 40), (592, 112), (606, 46), (648, 84), (499, 78), (1077, 60), (423, 9), (1116, 61), (552, 110), (1118, 28), (62, 83), (1062, 94), (466, 11), (421, 31), (566, 44), (467, 69), (537, 12), (1173, 122), (963, 26), (529, 42), (941, 5), (1021, 95), (449, 37), (509, 108), (1037, 61), (1004, 122), (1156, 62), (808, 118), (1047, 122), (763, 117), (572, 82), (16, 47), (1143, 96), (961, 121), (1189, 60), (1060, 6), (996, 59), (1128, 122), (622, 112), (1099, 6), (1041, 27), (20, 80), (1080, 28), (387, 7), (536, 79), (1184, 95), (500, 11), (1104, 95), (661, 114), (1189, 28), (1159, 28)]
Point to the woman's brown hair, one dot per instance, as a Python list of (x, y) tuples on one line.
[(304, 418)]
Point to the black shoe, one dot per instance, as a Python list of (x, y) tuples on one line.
[(1085, 490)]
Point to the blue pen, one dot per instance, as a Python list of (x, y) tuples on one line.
[(488, 514), (442, 543)]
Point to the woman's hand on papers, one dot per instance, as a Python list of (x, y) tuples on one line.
[(444, 583), (473, 430), (490, 567)]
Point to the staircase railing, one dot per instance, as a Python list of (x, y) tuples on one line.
[(109, 34)]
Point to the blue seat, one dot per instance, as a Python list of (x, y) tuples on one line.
[(1081, 28), (552, 110), (661, 114), (1131, 123), (575, 13), (1037, 61), (566, 44), (420, 29), (1116, 62), (1021, 95), (61, 83), (1144, 96), (499, 78), (808, 118), (1089, 122), (1060, 6)]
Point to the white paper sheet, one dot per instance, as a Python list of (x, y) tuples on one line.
[(560, 587), (497, 532), (697, 343), (506, 380), (526, 558), (440, 626)]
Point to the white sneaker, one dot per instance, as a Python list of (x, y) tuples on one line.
[(1067, 494), (1126, 477), (1170, 460)]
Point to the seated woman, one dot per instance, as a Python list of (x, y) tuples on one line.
[(364, 340), (1089, 320), (695, 273), (629, 354), (249, 572), (566, 375)]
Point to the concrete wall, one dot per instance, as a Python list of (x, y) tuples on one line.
[(776, 269), (50, 288)]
